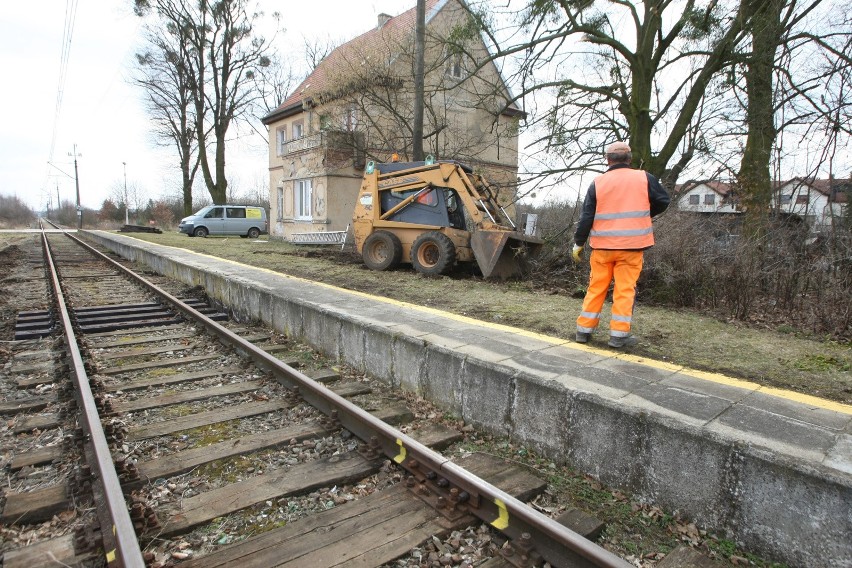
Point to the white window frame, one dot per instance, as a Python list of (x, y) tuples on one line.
[(298, 130), (281, 139), (302, 196)]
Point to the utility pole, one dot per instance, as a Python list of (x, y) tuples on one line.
[(77, 184), (126, 205), (419, 56)]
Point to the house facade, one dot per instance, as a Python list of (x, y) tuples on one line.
[(357, 106), (819, 202), (707, 197)]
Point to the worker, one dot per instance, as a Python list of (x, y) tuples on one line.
[(616, 220)]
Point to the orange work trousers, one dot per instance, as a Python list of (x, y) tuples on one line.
[(624, 266)]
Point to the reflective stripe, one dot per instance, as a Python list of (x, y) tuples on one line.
[(615, 333), (628, 319), (590, 315), (627, 233), (582, 329), (624, 215)]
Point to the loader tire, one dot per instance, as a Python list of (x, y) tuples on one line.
[(382, 250), (433, 253)]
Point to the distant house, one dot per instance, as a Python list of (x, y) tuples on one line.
[(707, 197), (357, 105), (819, 202)]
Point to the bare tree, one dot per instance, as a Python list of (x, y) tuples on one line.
[(369, 90), (593, 72), (163, 74), (221, 57), (794, 78)]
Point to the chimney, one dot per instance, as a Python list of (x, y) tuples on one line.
[(383, 19)]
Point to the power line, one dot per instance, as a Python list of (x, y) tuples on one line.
[(64, 58)]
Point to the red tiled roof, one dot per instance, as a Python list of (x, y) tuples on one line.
[(720, 187)]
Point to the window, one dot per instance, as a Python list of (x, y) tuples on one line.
[(325, 121), (281, 139), (297, 130), (694, 199), (786, 199), (454, 66), (428, 197), (802, 199), (709, 199), (215, 213), (302, 196), (236, 212), (350, 117), (280, 203)]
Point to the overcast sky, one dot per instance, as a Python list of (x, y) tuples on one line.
[(101, 112)]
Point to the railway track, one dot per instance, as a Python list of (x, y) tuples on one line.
[(149, 430)]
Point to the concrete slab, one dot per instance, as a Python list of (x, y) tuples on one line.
[(768, 469)]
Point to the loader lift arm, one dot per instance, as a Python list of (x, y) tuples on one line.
[(416, 203)]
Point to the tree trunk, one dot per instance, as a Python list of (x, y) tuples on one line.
[(419, 56), (753, 180)]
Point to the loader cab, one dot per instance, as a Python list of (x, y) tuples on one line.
[(439, 206)]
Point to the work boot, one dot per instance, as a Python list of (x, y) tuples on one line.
[(622, 342), (582, 337)]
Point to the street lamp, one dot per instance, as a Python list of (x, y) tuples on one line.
[(126, 206)]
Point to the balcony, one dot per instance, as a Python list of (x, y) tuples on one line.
[(336, 144), (303, 143)]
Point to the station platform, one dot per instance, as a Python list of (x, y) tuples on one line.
[(769, 469)]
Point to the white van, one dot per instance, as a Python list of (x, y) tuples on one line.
[(242, 220)]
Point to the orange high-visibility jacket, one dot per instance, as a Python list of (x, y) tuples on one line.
[(623, 213)]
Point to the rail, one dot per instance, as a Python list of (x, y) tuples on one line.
[(556, 543), (126, 552)]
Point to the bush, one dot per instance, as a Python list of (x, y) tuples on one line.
[(15, 213)]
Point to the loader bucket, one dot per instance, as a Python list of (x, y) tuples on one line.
[(503, 254)]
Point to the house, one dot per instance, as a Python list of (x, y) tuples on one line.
[(707, 197), (819, 202), (357, 105)]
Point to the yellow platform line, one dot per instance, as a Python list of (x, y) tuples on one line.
[(718, 378)]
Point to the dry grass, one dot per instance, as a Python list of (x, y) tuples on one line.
[(766, 356)]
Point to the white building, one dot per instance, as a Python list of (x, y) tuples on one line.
[(706, 197), (820, 202)]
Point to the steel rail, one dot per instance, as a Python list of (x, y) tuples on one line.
[(556, 543), (127, 552)]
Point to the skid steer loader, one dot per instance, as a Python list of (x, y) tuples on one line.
[(433, 215)]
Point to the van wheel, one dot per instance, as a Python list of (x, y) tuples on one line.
[(382, 250), (433, 253), (253, 233), (200, 232)]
